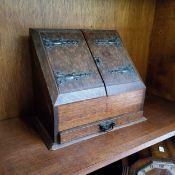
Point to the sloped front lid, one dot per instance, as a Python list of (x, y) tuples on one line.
[(74, 69), (115, 66)]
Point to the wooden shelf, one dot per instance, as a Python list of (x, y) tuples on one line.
[(23, 152)]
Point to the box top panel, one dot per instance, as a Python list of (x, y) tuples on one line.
[(112, 60), (74, 70), (84, 64)]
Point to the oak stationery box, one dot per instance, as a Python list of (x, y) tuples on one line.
[(85, 84)]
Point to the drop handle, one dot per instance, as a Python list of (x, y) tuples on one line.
[(107, 125)]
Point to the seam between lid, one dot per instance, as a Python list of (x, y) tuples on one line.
[(95, 62)]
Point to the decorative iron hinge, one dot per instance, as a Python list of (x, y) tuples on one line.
[(123, 69), (115, 40), (61, 42), (107, 125), (62, 78)]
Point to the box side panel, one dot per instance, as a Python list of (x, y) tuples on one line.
[(44, 108)]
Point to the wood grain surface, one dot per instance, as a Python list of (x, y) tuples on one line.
[(112, 60), (93, 129), (110, 57), (76, 60), (161, 70), (132, 18), (23, 152), (72, 115), (133, 21)]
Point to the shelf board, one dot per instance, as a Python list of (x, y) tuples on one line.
[(23, 152)]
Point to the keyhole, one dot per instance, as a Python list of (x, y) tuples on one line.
[(97, 61)]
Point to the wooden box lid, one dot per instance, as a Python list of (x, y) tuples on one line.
[(80, 65), (114, 64), (71, 66)]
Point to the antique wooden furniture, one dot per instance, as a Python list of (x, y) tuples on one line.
[(85, 84), (23, 152)]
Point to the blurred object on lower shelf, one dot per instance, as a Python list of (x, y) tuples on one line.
[(125, 166), (112, 169), (158, 159)]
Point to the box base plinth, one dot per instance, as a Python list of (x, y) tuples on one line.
[(54, 146)]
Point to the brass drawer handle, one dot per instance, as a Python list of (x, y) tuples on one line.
[(107, 125)]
